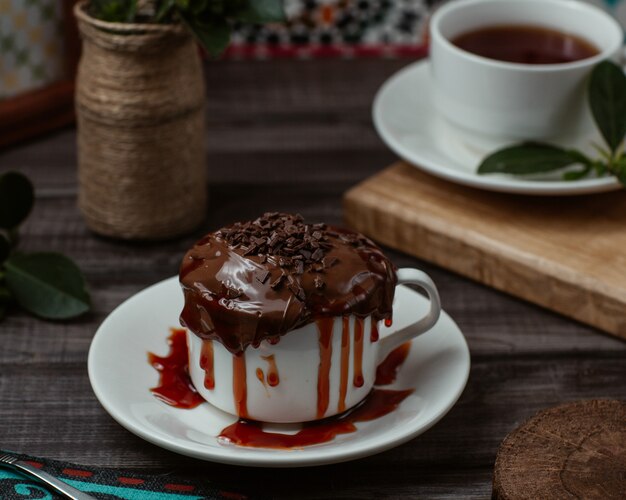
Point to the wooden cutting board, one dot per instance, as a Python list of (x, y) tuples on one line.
[(564, 253)]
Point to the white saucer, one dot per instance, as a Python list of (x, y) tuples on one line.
[(406, 120), (437, 369)]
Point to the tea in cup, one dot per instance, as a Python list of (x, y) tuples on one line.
[(518, 69)]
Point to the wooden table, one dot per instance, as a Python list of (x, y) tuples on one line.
[(291, 136)]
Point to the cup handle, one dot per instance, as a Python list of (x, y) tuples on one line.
[(413, 277)]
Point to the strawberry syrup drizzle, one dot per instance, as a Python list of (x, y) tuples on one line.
[(272, 371), (357, 381), (206, 363), (175, 389), (345, 363), (325, 327), (374, 332), (240, 384)]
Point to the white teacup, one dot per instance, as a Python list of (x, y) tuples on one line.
[(317, 366), (517, 101)]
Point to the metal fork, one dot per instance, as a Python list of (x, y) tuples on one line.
[(52, 482)]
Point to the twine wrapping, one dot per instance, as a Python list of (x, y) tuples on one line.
[(140, 110)]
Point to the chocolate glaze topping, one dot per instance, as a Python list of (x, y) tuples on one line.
[(261, 279)]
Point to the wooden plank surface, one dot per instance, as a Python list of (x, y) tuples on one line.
[(294, 136), (563, 253)]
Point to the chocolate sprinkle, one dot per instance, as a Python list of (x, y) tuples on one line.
[(299, 267), (261, 276), (317, 255), (277, 282), (283, 236)]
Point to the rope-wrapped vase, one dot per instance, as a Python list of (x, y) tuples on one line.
[(141, 130)]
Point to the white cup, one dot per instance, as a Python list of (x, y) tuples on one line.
[(317, 367), (518, 101)]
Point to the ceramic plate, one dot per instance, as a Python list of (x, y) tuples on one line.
[(437, 369), (405, 119)]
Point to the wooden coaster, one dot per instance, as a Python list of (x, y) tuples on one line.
[(576, 450)]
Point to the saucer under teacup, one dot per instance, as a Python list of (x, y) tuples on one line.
[(436, 369), (406, 119)]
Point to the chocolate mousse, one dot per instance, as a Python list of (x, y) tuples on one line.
[(260, 279)]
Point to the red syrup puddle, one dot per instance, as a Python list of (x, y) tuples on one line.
[(388, 370), (378, 403), (175, 389)]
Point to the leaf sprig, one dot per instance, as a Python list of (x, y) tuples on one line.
[(48, 285), (607, 100), (210, 21)]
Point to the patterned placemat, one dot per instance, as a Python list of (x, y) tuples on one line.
[(110, 484), (345, 28)]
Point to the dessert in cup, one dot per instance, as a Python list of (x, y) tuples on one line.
[(285, 319)]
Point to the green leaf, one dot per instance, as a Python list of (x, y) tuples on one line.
[(577, 174), (164, 9), (619, 169), (528, 158), (259, 11), (16, 199), (5, 248), (132, 11), (47, 284), (183, 4), (212, 33), (607, 99), (621, 177), (113, 11), (199, 5)]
